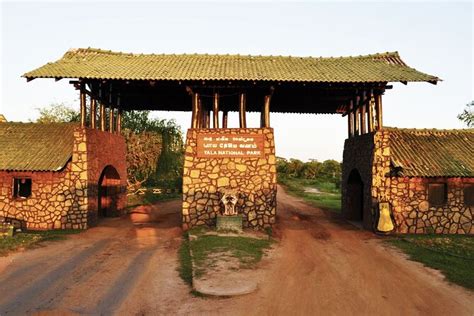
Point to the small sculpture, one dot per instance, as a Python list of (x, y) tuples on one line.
[(229, 199)]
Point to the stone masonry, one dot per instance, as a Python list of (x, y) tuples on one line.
[(67, 198), (254, 178), (370, 155)]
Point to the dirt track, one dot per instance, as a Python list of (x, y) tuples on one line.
[(321, 266)]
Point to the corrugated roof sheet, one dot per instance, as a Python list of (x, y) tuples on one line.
[(35, 147), (433, 153), (100, 64)]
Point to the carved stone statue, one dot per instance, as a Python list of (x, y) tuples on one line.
[(229, 199)]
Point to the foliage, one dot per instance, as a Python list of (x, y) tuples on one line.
[(57, 113), (154, 146), (143, 151), (329, 170), (467, 116), (452, 254), (150, 198), (31, 239)]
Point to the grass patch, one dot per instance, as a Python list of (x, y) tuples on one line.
[(149, 198), (207, 249), (30, 240), (453, 255), (185, 268), (329, 197)]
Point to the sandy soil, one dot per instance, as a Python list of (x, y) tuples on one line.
[(322, 265)]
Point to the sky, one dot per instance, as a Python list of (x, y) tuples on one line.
[(433, 37)]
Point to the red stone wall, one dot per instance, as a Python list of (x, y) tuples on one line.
[(103, 149)]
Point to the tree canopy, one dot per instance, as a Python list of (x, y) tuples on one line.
[(467, 116)]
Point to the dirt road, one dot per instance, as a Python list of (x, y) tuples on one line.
[(321, 266)]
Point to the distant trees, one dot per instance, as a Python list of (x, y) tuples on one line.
[(154, 146), (467, 116), (56, 113), (328, 170)]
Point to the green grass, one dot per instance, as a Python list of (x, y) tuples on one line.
[(31, 239), (185, 268), (149, 198), (328, 199), (248, 251), (453, 255)]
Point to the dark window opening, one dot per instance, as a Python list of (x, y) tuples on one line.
[(469, 195), (21, 188), (437, 193)]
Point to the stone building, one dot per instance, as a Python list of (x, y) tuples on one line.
[(426, 176), (60, 175), (220, 156)]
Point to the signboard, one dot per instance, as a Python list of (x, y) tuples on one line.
[(230, 145)]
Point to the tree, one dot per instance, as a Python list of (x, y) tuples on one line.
[(467, 116), (154, 147), (56, 113)]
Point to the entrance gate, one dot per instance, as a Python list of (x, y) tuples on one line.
[(210, 86)]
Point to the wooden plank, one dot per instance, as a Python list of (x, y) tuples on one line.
[(266, 111), (363, 119), (370, 112), (350, 120), (215, 110), (102, 118), (242, 110), (93, 113), (195, 113), (83, 106), (356, 117), (119, 121), (225, 118), (378, 110), (111, 119)]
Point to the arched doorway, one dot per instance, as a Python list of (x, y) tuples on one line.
[(355, 196), (109, 191)]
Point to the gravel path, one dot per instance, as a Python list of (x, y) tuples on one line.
[(320, 266)]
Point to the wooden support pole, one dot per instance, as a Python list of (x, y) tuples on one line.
[(102, 118), (83, 106), (363, 119), (225, 118), (242, 110), (111, 119), (266, 111), (356, 117), (350, 119), (208, 118), (370, 112), (119, 121), (378, 110), (199, 112), (93, 113), (195, 115), (215, 110)]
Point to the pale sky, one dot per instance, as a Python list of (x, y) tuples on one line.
[(433, 37)]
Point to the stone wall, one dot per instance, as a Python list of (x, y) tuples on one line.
[(255, 178), (67, 198), (408, 197), (104, 149)]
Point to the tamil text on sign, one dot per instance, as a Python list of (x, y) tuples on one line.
[(228, 146)]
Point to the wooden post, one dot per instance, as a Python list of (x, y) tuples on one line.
[(199, 112), (266, 111), (370, 112), (208, 118), (195, 115), (378, 109), (242, 110), (363, 119), (102, 118), (356, 117), (111, 119), (119, 121), (350, 119), (225, 117), (215, 110), (83, 106), (93, 113)]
